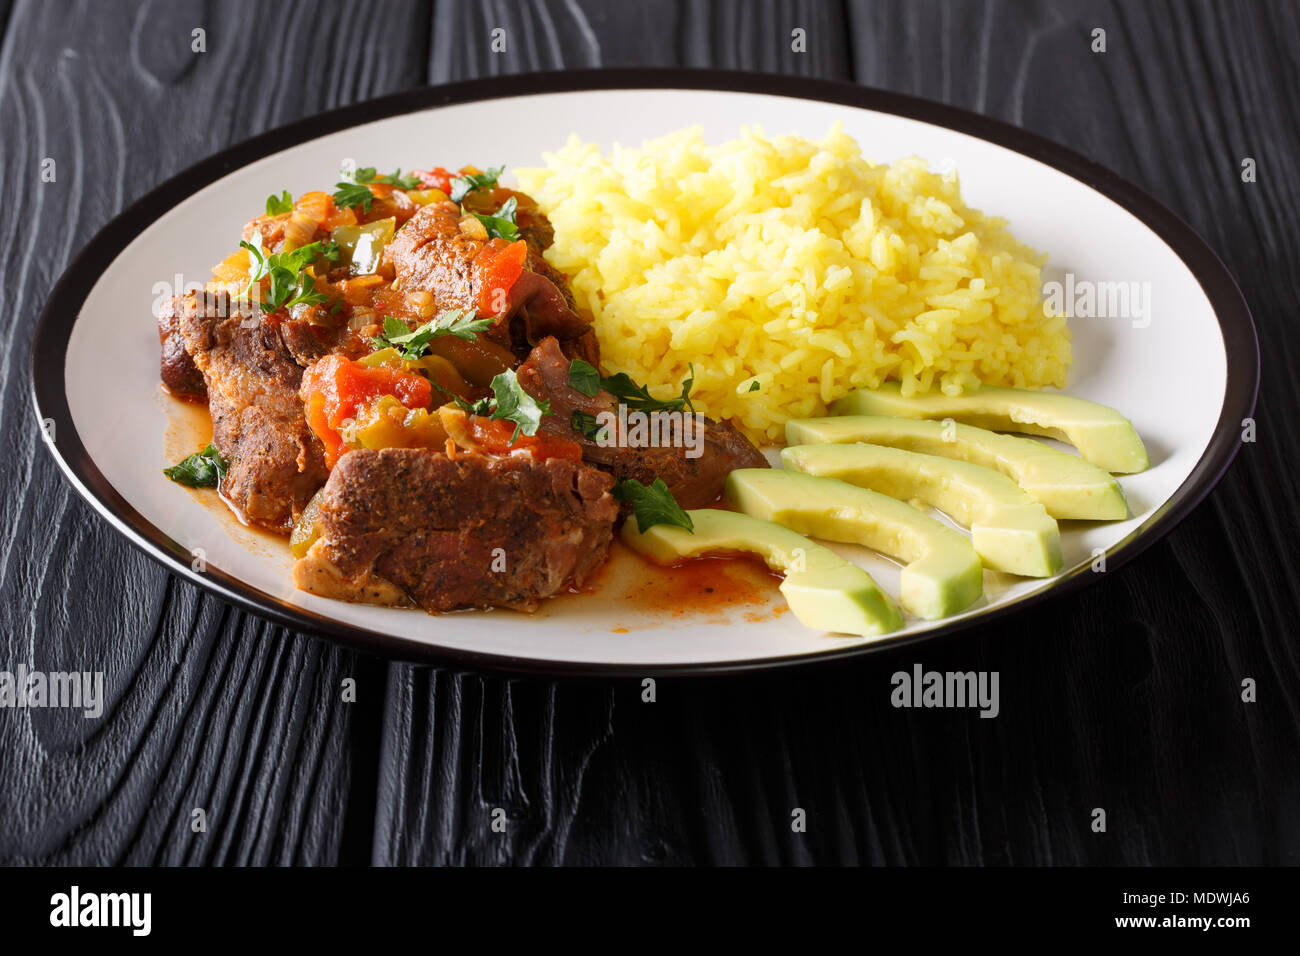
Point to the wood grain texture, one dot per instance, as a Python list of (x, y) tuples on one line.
[(1125, 697), (207, 706)]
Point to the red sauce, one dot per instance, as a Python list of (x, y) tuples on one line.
[(705, 585)]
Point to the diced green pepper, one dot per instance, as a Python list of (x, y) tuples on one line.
[(361, 248)]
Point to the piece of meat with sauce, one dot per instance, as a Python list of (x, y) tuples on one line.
[(411, 525), (178, 371), (694, 482), (251, 376), (432, 253)]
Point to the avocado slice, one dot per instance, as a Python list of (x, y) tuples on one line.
[(1103, 436), (942, 573), (824, 591), (1067, 486), (1010, 531)]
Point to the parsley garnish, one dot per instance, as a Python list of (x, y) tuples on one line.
[(584, 377), (290, 285), (395, 178), (200, 470), (653, 505), (509, 402), (414, 343), (275, 206), (501, 224), (638, 397), (585, 425), (353, 194), (462, 186), (355, 191), (753, 387), (516, 405)]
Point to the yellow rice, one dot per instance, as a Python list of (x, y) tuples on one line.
[(798, 265)]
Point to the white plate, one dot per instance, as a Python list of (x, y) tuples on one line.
[(1186, 379)]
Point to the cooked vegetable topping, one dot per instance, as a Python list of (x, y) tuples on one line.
[(436, 178), (334, 389), (653, 505), (290, 284), (499, 266), (305, 529), (466, 183), (584, 377), (354, 190), (501, 224), (395, 178), (362, 247), (509, 403), (200, 470), (275, 206), (413, 344)]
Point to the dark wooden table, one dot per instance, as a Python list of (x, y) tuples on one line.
[(1126, 697)]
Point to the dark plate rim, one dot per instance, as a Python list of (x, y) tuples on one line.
[(64, 304)]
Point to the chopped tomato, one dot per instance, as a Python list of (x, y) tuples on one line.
[(334, 388), (436, 178), (499, 267), (360, 289), (494, 435), (339, 217), (315, 205)]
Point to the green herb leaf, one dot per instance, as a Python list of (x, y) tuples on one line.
[(414, 343), (396, 178), (353, 194), (586, 425), (500, 225), (653, 505), (463, 325), (516, 405), (307, 294), (354, 189), (753, 386), (638, 398), (584, 377), (289, 284), (509, 402), (203, 469), (462, 186), (276, 206), (482, 407)]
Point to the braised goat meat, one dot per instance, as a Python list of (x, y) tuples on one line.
[(438, 251), (693, 481), (178, 371), (468, 531), (251, 377)]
